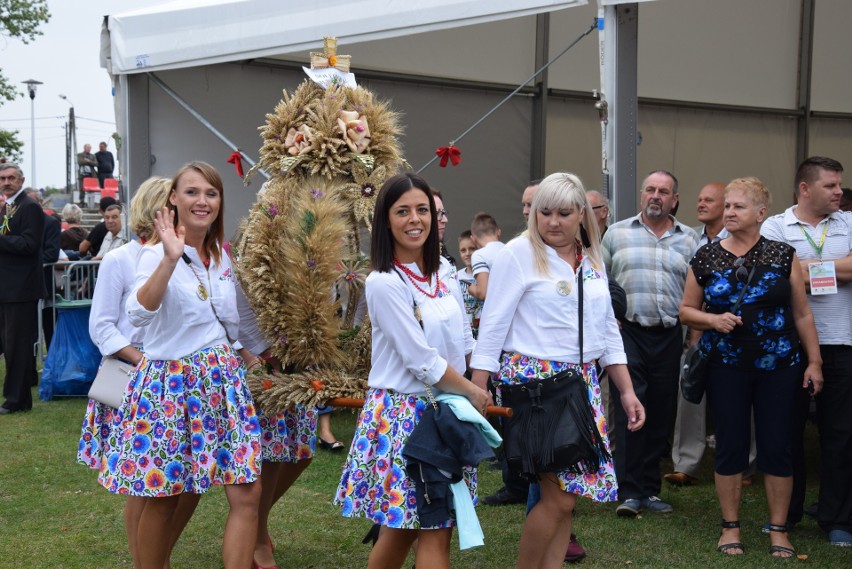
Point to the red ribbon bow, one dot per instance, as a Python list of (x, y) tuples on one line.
[(451, 153), (236, 158)]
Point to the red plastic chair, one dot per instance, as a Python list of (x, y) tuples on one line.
[(93, 191), (110, 188)]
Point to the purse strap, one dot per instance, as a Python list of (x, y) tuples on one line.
[(419, 317), (580, 308), (739, 301)]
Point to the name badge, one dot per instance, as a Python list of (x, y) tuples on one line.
[(823, 278)]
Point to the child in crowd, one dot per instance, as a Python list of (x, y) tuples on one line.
[(472, 305), (485, 235)]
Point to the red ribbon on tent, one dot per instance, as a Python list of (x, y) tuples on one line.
[(236, 158), (449, 153)]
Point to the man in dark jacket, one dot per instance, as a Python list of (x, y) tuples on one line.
[(21, 235)]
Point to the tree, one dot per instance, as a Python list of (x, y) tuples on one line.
[(19, 19)]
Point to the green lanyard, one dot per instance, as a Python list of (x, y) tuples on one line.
[(817, 248)]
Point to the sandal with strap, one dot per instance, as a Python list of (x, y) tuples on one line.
[(773, 549), (726, 547)]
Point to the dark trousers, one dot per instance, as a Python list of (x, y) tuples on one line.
[(18, 333), (653, 359), (733, 395), (801, 409), (834, 415)]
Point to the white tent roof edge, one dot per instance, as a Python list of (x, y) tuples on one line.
[(190, 33)]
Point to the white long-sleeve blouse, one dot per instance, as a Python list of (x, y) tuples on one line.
[(529, 313), (109, 325), (184, 323)]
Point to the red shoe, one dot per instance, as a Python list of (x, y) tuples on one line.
[(575, 551)]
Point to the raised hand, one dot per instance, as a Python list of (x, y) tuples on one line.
[(173, 241)]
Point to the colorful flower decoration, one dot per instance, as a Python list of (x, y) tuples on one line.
[(299, 140)]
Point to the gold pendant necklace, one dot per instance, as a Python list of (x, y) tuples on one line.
[(201, 291)]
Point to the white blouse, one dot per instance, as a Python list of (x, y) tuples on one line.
[(404, 355), (250, 335), (109, 325), (184, 323), (530, 314)]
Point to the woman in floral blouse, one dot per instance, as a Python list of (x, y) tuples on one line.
[(758, 357)]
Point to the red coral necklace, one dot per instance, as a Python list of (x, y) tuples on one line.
[(414, 278)]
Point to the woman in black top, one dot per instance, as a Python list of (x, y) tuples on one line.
[(757, 356)]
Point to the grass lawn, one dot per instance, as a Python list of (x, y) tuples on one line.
[(53, 514)]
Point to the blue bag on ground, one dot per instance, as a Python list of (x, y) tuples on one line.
[(72, 360)]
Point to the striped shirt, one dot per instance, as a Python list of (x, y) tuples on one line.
[(832, 312), (652, 270)]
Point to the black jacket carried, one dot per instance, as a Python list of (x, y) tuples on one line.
[(436, 452)]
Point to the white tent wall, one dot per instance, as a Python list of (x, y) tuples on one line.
[(717, 85)]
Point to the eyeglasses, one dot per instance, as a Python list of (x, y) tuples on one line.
[(442, 214), (597, 206), (741, 272)]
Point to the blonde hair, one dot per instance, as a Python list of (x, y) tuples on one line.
[(562, 190), (755, 190), (150, 198)]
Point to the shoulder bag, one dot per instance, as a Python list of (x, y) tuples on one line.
[(552, 427), (111, 381)]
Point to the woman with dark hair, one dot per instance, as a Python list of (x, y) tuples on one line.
[(187, 419), (420, 341), (530, 330), (748, 295)]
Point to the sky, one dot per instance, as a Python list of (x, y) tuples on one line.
[(66, 59)]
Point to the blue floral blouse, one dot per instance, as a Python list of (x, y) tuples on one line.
[(767, 340)]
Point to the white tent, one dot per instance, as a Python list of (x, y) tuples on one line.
[(726, 88)]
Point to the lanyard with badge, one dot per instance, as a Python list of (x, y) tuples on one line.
[(822, 274)]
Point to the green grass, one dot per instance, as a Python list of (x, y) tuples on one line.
[(53, 514)]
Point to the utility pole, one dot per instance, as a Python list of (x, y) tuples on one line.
[(71, 150), (32, 85)]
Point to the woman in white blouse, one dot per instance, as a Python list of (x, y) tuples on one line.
[(115, 336), (529, 330), (420, 341), (188, 422)]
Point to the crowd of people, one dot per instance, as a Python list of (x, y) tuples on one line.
[(571, 301)]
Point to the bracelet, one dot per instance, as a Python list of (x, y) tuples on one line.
[(255, 363)]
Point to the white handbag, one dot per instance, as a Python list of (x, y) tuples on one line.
[(111, 382)]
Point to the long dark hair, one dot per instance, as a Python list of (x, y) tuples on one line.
[(381, 239)]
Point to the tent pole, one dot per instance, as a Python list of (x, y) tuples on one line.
[(621, 23), (538, 144), (200, 118), (803, 94)]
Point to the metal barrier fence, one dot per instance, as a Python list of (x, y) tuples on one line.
[(72, 286)]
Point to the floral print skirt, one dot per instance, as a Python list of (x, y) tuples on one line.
[(97, 425), (184, 425), (375, 484), (515, 368), (290, 436)]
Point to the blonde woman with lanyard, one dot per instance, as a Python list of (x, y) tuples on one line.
[(529, 330), (188, 421), (420, 339)]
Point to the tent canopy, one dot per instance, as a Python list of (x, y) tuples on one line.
[(203, 32)]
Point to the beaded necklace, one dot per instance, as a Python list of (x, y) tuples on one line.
[(414, 278)]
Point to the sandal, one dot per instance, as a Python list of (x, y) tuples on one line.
[(726, 547), (334, 446), (773, 549)]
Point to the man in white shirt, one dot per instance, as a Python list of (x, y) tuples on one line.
[(822, 236), (114, 237)]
